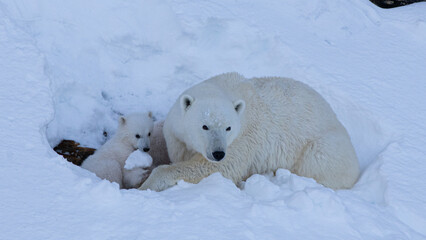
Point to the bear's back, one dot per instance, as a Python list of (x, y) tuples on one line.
[(296, 103)]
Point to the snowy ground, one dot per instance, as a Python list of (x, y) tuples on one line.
[(69, 68)]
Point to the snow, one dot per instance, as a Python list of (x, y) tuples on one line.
[(70, 68), (138, 159)]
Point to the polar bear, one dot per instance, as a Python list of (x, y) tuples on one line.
[(158, 150), (239, 127), (134, 132)]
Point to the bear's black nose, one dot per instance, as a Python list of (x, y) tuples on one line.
[(145, 149), (218, 155)]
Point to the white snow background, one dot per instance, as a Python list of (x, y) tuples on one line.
[(69, 68)]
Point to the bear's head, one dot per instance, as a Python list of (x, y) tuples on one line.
[(211, 124), (135, 129)]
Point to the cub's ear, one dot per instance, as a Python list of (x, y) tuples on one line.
[(239, 106), (122, 121), (186, 102), (150, 114)]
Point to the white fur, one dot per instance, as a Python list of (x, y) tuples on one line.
[(282, 123), (108, 161)]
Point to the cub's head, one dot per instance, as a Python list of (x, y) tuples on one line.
[(136, 129), (211, 125)]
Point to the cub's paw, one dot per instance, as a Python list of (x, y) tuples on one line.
[(160, 179)]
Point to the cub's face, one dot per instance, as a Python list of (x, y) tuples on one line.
[(136, 129), (211, 126)]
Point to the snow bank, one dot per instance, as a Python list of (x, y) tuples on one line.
[(70, 68)]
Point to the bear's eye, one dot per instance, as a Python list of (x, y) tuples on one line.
[(228, 129), (138, 136), (205, 127), (149, 134)]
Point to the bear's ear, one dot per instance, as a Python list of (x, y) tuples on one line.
[(122, 121), (239, 106), (150, 114), (186, 102)]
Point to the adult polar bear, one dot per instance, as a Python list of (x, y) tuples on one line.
[(240, 127)]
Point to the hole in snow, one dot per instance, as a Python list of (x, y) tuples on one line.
[(94, 122)]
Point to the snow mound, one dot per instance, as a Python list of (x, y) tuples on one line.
[(138, 159)]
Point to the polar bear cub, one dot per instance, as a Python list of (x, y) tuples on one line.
[(134, 132)]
